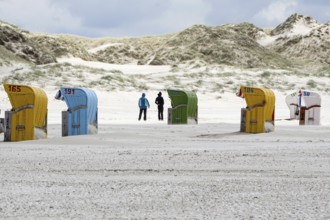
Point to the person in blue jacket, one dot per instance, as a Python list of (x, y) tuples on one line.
[(143, 105)]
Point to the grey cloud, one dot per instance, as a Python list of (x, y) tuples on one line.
[(115, 13), (234, 11)]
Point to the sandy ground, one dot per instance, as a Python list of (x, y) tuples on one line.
[(156, 171)]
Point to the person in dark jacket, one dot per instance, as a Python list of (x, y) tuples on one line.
[(160, 103), (143, 105)]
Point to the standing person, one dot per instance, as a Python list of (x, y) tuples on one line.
[(160, 103), (143, 105)]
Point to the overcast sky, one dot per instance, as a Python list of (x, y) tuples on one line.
[(118, 18)]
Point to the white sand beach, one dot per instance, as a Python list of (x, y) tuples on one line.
[(205, 171)]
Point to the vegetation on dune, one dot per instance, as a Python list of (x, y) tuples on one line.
[(207, 59)]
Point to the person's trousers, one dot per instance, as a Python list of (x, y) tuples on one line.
[(160, 112), (144, 110)]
